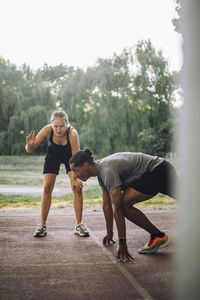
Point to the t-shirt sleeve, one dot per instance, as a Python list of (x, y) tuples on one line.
[(110, 179), (101, 184)]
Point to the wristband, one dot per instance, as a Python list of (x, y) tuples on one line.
[(122, 241)]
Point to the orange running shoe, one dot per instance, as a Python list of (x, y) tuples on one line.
[(154, 245)]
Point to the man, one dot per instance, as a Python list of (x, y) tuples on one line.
[(127, 178)]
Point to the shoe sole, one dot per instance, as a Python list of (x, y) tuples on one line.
[(81, 234), (40, 235), (154, 249)]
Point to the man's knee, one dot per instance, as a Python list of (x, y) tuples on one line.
[(126, 207)]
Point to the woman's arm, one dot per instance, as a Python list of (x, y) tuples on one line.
[(32, 141), (76, 183), (74, 141)]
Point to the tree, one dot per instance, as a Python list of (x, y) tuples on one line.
[(129, 104), (178, 22), (153, 86), (122, 103), (26, 104), (108, 106)]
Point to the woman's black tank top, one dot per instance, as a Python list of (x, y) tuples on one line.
[(59, 152)]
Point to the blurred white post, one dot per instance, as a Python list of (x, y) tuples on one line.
[(188, 249)]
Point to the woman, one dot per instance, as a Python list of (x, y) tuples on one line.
[(127, 178), (64, 143)]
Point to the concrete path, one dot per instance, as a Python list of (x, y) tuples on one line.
[(31, 190), (65, 266)]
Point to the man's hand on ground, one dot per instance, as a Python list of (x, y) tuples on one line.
[(122, 253), (107, 240)]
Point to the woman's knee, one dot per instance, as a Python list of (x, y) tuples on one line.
[(77, 192), (48, 188)]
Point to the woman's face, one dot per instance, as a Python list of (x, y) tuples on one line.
[(59, 126)]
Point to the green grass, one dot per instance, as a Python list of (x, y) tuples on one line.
[(18, 200), (27, 162), (27, 170), (92, 200), (91, 197)]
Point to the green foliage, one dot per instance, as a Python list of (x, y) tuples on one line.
[(25, 105), (129, 110), (122, 103), (178, 22)]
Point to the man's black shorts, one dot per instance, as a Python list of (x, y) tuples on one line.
[(162, 179)]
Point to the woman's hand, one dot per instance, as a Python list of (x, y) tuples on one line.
[(122, 253), (30, 141), (77, 184), (108, 239)]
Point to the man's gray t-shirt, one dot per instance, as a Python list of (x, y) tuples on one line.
[(120, 169)]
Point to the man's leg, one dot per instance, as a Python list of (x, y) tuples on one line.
[(131, 197), (158, 239)]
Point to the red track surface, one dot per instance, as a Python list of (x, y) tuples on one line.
[(64, 266)]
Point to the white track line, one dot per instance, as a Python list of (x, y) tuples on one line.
[(54, 264), (122, 269)]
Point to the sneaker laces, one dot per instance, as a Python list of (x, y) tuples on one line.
[(150, 241), (40, 226), (81, 226)]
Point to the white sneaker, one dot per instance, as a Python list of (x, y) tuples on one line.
[(81, 230), (40, 231)]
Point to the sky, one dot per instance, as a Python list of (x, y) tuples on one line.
[(78, 32)]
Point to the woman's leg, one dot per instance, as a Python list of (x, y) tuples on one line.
[(78, 200), (78, 205), (49, 181)]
